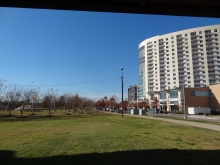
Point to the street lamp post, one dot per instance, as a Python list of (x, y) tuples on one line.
[(184, 103), (122, 92)]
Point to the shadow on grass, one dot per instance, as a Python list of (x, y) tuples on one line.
[(136, 157), (38, 117), (54, 116)]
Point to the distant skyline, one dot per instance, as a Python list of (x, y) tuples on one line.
[(69, 48)]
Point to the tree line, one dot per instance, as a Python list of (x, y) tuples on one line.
[(29, 98), (113, 103)]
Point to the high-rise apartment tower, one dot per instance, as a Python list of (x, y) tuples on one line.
[(188, 57)]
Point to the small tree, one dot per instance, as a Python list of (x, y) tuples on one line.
[(13, 96), (154, 103)]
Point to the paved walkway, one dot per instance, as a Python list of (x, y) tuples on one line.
[(185, 122)]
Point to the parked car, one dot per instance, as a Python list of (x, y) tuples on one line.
[(111, 110), (119, 111)]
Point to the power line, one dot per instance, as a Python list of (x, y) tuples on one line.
[(86, 82)]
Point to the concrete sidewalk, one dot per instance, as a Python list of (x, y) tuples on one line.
[(185, 122)]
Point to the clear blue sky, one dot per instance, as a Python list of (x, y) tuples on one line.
[(50, 47)]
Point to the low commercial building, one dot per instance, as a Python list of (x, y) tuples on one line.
[(174, 99)]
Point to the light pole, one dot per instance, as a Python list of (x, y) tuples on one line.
[(122, 92), (184, 103)]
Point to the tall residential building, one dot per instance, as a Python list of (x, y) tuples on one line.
[(188, 57), (133, 93)]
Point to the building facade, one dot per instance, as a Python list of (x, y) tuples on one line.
[(188, 57), (174, 99), (133, 93)]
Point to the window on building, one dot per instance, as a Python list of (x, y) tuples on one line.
[(185, 35), (200, 32), (172, 37), (173, 53), (215, 30), (172, 49), (173, 94), (174, 70), (162, 95)]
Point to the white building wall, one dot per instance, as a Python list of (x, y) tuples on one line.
[(167, 66)]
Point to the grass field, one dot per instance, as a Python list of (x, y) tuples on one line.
[(102, 138)]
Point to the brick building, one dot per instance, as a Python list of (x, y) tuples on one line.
[(194, 97)]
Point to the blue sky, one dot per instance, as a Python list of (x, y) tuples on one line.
[(54, 47)]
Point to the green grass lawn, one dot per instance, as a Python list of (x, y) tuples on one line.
[(102, 138)]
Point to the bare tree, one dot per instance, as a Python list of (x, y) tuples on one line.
[(35, 96), (67, 101), (2, 87), (49, 100), (61, 102), (46, 102), (89, 104), (12, 95)]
